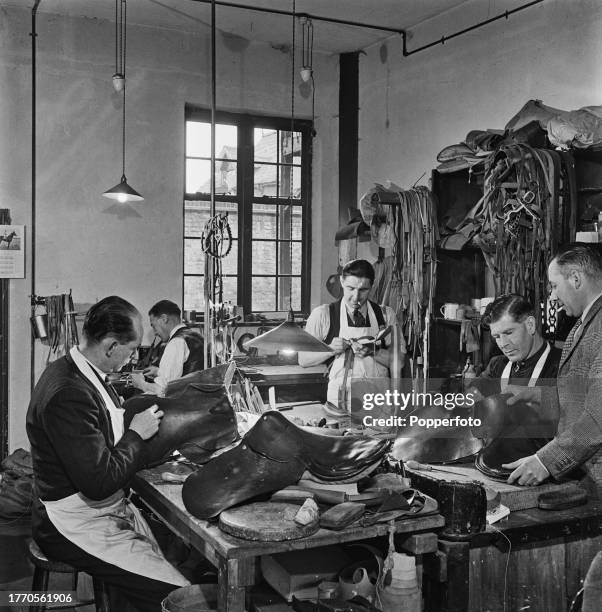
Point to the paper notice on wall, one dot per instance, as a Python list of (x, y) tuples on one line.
[(12, 251)]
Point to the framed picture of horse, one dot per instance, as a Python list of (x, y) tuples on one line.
[(12, 251)]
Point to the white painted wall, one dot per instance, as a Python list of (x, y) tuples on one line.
[(412, 107), (84, 242)]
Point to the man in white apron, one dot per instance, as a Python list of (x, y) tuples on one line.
[(83, 460), (340, 324), (527, 360), (526, 357)]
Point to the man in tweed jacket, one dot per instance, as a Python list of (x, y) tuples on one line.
[(575, 276)]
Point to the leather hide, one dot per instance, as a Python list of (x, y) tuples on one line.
[(436, 445), (273, 455), (511, 432), (198, 418)]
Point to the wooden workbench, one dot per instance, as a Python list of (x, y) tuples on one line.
[(539, 567), (237, 559)]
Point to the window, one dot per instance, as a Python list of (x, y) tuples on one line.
[(262, 180)]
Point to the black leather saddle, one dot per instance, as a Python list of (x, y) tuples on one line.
[(273, 455), (509, 433), (199, 418)]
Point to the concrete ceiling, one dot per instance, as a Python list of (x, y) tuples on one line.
[(276, 29)]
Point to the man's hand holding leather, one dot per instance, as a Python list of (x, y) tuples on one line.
[(339, 345), (151, 372), (528, 471), (146, 423), (362, 350), (528, 395)]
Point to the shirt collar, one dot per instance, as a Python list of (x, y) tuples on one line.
[(79, 357), (530, 361), (175, 329), (588, 307)]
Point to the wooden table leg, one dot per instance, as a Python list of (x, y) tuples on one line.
[(234, 576), (454, 592)]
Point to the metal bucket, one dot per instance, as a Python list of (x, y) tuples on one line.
[(39, 326), (193, 598)]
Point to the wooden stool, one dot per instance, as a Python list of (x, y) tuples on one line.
[(43, 567)]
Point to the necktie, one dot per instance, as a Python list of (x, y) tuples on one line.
[(572, 337), (358, 318), (110, 390)]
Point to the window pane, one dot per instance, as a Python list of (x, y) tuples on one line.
[(283, 293), (194, 258), (265, 145), (264, 221), (288, 173), (264, 293), (285, 148), (193, 293), (297, 223), (198, 173), (284, 222), (225, 178), (264, 257), (196, 215), (284, 254), (265, 180), (198, 140), (230, 261)]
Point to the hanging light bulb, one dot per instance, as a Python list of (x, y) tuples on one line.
[(307, 49), (118, 82), (121, 192)]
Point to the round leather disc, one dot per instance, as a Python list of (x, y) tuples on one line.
[(265, 521)]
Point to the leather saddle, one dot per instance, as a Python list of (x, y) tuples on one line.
[(509, 433), (198, 420), (436, 445), (272, 455)]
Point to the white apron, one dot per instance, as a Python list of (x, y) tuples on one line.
[(504, 381), (112, 529), (366, 367)]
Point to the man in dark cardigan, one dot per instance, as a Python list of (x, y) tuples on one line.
[(83, 461)]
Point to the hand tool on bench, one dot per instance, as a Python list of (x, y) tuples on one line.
[(414, 465)]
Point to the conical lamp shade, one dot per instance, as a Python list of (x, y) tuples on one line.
[(123, 192), (288, 337)]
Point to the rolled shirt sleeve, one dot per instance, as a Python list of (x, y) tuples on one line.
[(172, 362)]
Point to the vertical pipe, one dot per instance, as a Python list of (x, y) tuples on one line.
[(209, 261), (348, 133), (33, 35)]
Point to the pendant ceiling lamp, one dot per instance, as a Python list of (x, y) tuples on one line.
[(121, 192), (288, 337)]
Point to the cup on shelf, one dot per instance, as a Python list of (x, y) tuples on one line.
[(449, 310), (485, 302)]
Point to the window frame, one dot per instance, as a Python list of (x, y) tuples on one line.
[(245, 198)]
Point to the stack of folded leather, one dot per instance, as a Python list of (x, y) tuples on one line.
[(470, 153)]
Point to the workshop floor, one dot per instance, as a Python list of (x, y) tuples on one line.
[(16, 572)]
